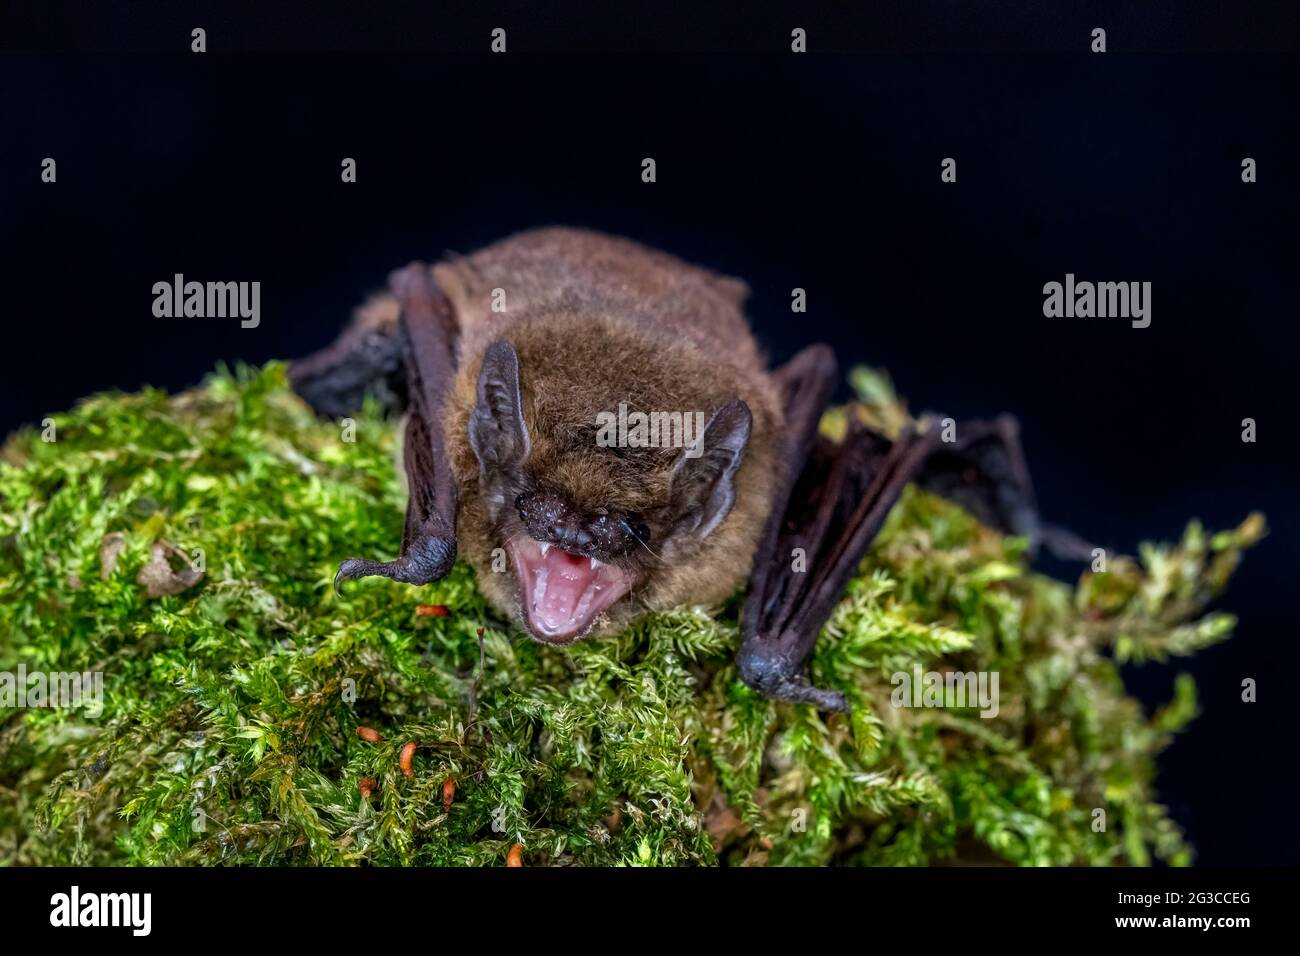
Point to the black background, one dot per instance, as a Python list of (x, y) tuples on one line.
[(819, 171)]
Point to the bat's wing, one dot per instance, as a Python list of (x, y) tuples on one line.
[(413, 358), (983, 470), (832, 502), (368, 358)]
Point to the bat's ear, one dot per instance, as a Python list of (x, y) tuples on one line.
[(497, 432), (703, 486)]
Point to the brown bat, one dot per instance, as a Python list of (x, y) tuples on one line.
[(513, 366)]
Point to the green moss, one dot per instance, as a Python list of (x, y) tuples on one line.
[(229, 725)]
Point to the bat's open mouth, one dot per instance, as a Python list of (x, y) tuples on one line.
[(563, 594)]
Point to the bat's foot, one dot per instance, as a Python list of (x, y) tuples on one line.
[(780, 678)]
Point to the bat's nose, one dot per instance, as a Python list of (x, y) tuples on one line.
[(550, 518), (573, 540)]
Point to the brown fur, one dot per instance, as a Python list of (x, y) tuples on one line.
[(597, 320)]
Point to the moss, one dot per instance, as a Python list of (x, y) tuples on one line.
[(231, 708)]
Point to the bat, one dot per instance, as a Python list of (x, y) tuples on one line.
[(600, 414)]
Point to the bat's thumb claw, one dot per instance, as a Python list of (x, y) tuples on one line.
[(426, 558), (351, 568)]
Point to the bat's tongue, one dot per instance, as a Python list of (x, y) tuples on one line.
[(562, 594)]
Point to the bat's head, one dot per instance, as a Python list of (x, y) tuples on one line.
[(589, 521)]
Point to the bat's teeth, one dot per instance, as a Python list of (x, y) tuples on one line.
[(544, 547), (595, 565), (539, 588)]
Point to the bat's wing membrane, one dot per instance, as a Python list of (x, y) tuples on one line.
[(415, 359), (830, 505)]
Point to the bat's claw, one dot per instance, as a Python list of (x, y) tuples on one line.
[(344, 573)]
